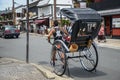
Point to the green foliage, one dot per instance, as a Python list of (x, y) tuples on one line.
[(1, 18), (65, 22), (89, 1)]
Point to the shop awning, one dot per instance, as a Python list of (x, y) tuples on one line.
[(39, 21), (109, 12)]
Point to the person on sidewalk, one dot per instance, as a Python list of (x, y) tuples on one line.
[(101, 34)]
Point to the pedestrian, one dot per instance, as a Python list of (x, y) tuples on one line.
[(41, 29), (45, 29), (101, 34)]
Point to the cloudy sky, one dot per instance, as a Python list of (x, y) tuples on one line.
[(8, 3)]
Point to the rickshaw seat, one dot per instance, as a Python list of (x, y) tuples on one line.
[(82, 40)]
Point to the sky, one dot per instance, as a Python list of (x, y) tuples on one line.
[(8, 3)]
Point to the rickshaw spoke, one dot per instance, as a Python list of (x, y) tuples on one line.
[(89, 61)]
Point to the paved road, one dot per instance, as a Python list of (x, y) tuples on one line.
[(108, 67)]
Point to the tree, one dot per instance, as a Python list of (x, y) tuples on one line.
[(65, 22), (90, 1)]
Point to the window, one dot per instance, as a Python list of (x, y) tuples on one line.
[(19, 14), (116, 23)]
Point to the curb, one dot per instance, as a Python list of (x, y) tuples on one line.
[(11, 60), (49, 74)]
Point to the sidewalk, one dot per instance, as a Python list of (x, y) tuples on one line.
[(12, 69), (111, 43)]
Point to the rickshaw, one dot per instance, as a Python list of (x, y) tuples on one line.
[(86, 25)]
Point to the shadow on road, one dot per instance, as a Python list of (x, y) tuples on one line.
[(81, 73)]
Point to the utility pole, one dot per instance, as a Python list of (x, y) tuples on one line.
[(54, 9), (27, 34), (13, 11)]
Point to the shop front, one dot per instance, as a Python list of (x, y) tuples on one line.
[(112, 25), (112, 22), (116, 25)]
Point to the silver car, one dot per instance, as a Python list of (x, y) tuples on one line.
[(9, 31)]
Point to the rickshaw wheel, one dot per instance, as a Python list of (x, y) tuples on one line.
[(60, 62), (89, 60)]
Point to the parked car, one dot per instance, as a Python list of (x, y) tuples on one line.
[(9, 31)]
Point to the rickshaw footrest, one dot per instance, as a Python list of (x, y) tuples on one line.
[(69, 57)]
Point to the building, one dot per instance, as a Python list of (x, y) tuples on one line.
[(110, 11), (7, 16), (46, 10), (33, 15), (41, 12)]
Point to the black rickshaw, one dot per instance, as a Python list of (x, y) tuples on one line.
[(86, 25)]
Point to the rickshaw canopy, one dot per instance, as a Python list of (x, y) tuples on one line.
[(84, 14), (86, 21)]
